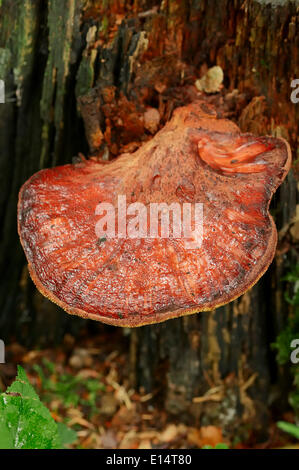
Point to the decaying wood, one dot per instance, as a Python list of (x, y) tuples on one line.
[(53, 53)]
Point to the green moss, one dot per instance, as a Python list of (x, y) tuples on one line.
[(63, 27), (18, 34), (290, 332), (85, 75)]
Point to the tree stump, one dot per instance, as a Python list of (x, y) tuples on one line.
[(62, 61)]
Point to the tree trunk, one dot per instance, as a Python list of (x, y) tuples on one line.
[(61, 57), (218, 367)]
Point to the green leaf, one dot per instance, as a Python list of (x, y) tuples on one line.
[(67, 435), (6, 440), (290, 428), (25, 423), (221, 445)]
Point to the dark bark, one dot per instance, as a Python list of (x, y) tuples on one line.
[(31, 138), (48, 59)]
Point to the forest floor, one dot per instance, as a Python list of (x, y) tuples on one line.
[(85, 385)]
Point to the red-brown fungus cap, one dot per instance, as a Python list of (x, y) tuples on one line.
[(195, 158)]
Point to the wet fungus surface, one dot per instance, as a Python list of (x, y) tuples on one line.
[(124, 281)]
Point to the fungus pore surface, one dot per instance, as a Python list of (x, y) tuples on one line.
[(196, 158)]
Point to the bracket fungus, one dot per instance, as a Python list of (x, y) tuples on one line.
[(128, 280)]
